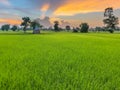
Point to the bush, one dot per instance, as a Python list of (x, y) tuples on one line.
[(75, 30), (14, 28), (111, 30)]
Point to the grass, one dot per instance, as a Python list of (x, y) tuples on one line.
[(59, 61)]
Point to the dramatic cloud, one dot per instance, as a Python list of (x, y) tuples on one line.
[(73, 7), (53, 4), (45, 22)]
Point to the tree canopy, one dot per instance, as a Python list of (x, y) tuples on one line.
[(26, 22), (84, 27), (110, 20)]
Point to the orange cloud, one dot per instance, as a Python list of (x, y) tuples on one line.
[(45, 7), (10, 21), (72, 7)]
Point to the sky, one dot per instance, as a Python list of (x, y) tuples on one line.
[(67, 12)]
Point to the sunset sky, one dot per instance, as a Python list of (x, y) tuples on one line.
[(73, 12)]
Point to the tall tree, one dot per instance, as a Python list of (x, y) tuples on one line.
[(56, 26), (26, 22), (110, 20)]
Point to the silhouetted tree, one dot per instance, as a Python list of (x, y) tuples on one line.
[(26, 22), (14, 28), (68, 28), (84, 27), (5, 27), (56, 26), (110, 20)]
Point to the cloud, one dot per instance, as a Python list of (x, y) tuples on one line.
[(72, 7), (5, 2), (45, 7), (48, 22), (50, 5), (45, 22), (63, 23), (10, 21)]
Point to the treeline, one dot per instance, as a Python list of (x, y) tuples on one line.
[(7, 27), (110, 25), (110, 21)]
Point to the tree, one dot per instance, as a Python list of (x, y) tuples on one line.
[(14, 28), (84, 27), (5, 27), (26, 22), (36, 26), (56, 26), (110, 20), (68, 28)]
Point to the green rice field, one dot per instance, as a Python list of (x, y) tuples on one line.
[(59, 61)]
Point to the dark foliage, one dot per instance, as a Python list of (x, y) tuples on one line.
[(84, 27), (26, 22), (110, 20), (14, 28), (5, 27), (68, 28), (75, 30), (56, 26)]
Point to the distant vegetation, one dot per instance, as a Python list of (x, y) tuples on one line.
[(5, 27), (14, 28), (110, 25)]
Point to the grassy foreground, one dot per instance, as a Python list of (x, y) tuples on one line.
[(59, 61)]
